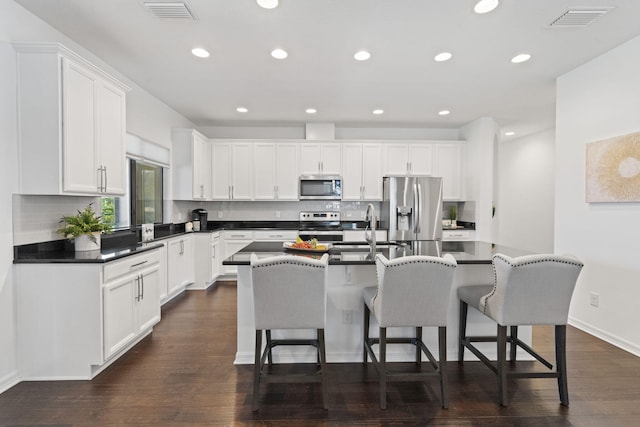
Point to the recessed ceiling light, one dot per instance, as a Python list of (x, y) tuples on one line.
[(279, 53), (443, 56), (362, 55), (520, 58), (242, 110), (510, 133), (311, 111), (200, 52), (268, 4), (378, 112), (444, 112), (484, 6)]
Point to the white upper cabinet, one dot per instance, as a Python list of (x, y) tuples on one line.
[(190, 165), (323, 158), (275, 170), (232, 171), (408, 159), (71, 124), (448, 165), (362, 171)]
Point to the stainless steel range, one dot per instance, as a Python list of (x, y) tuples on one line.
[(324, 226)]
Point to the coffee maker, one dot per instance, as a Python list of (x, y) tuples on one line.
[(199, 216)]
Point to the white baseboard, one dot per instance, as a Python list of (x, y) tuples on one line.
[(605, 336), (9, 381)]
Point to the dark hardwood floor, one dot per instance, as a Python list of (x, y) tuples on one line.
[(184, 374)]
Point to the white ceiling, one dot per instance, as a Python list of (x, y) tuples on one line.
[(322, 36)]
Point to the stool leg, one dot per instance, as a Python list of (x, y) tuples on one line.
[(442, 364), (382, 371), (561, 363), (269, 356), (323, 368), (513, 347), (462, 329), (418, 349), (256, 370), (366, 333), (502, 365)]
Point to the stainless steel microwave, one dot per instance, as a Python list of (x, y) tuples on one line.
[(320, 187)]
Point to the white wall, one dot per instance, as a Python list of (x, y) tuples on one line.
[(147, 117), (599, 100), (525, 203)]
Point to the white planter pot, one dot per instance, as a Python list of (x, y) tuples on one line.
[(84, 242)]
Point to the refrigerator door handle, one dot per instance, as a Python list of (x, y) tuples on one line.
[(417, 200)]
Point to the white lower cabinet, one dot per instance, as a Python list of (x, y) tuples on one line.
[(234, 240), (180, 264), (208, 259), (75, 319), (131, 305)]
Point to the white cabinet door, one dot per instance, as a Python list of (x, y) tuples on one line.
[(448, 166), (111, 139), (372, 171), (352, 172), (221, 159), (321, 158), (397, 159), (265, 171), (216, 258), (409, 159), (332, 158), (287, 170), (120, 324), (148, 301), (310, 158), (201, 161), (232, 171), (420, 159), (180, 266), (79, 129)]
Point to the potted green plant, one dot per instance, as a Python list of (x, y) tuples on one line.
[(453, 215), (84, 228)]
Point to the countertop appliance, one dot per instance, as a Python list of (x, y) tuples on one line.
[(411, 208), (320, 187), (324, 226), (199, 217)]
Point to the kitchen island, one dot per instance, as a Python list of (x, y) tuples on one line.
[(351, 268)]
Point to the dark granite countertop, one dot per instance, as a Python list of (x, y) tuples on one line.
[(60, 252), (356, 253)]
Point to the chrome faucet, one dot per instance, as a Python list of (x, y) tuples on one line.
[(370, 230)]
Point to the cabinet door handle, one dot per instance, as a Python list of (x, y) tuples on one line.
[(137, 288), (104, 168), (181, 247), (202, 191), (141, 287)]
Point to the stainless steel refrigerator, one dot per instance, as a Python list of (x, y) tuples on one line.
[(411, 208)]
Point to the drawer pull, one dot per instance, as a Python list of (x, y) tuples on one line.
[(139, 264)]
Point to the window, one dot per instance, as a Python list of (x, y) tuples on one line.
[(146, 192), (144, 202)]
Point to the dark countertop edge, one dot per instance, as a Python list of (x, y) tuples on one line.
[(89, 257)]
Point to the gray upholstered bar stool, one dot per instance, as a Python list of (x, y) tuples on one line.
[(528, 290), (412, 291), (289, 292)]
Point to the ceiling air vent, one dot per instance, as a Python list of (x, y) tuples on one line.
[(578, 17), (169, 10)]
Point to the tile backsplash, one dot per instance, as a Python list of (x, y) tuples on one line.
[(36, 218)]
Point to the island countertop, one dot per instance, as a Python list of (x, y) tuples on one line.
[(357, 253)]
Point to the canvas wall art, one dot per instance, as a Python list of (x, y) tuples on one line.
[(613, 169)]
